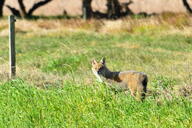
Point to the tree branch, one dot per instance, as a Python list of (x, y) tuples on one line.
[(187, 6), (37, 5), (14, 11), (22, 7)]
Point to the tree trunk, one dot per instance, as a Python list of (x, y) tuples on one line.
[(1, 7), (87, 9), (113, 9)]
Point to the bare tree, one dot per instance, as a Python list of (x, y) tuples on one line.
[(187, 6), (1, 7), (87, 9), (22, 12)]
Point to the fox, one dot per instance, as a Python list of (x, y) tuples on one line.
[(134, 81)]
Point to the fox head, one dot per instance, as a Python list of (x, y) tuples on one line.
[(97, 68)]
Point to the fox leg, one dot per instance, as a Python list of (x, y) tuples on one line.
[(141, 93), (133, 92)]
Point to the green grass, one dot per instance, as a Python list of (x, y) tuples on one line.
[(74, 105), (56, 88)]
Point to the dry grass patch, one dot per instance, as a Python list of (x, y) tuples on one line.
[(165, 23)]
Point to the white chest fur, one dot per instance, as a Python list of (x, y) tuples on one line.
[(97, 75)]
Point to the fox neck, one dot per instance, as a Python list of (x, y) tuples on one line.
[(109, 74)]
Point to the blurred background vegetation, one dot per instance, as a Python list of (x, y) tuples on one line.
[(110, 9)]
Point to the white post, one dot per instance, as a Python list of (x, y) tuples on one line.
[(12, 56)]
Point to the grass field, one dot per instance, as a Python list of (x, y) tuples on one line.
[(56, 88)]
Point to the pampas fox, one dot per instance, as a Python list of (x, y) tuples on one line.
[(136, 82)]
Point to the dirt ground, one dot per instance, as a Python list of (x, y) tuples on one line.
[(73, 7)]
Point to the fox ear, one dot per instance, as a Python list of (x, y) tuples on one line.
[(103, 61), (94, 62)]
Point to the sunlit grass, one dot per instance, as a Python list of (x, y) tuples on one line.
[(75, 105)]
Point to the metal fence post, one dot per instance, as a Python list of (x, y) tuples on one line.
[(12, 56)]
